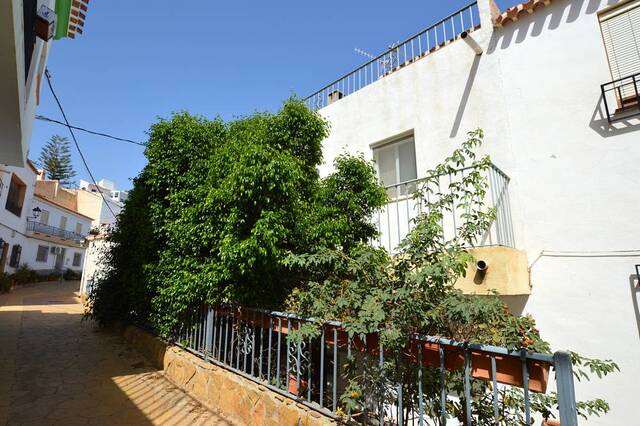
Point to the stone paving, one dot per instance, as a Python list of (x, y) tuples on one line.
[(57, 369)]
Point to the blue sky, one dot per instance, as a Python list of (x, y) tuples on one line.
[(140, 60)]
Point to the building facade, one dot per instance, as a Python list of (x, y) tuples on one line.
[(40, 225), (554, 85), (27, 28)]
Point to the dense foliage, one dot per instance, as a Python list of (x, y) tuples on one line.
[(55, 159), (236, 213), (413, 293), (218, 208)]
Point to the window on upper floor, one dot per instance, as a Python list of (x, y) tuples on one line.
[(79, 228), (15, 197), (396, 163), (44, 217), (43, 254), (620, 27), (621, 35), (63, 222), (77, 259)]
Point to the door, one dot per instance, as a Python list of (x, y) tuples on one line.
[(60, 260), (4, 251)]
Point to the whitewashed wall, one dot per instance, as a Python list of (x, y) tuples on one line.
[(12, 227), (536, 93)]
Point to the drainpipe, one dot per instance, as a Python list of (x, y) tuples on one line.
[(471, 43)]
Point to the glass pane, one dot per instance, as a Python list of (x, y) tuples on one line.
[(407, 154), (386, 160)]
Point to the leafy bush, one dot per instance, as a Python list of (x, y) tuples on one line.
[(5, 283), (25, 275), (220, 205), (413, 292), (71, 275)]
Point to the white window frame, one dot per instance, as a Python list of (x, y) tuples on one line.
[(399, 188)]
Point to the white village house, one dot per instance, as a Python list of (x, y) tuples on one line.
[(554, 85), (40, 225), (27, 31)]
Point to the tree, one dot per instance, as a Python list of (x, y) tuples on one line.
[(218, 208), (413, 292), (55, 159)]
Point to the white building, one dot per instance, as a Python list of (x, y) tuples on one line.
[(567, 149), (27, 28), (39, 224), (104, 201)]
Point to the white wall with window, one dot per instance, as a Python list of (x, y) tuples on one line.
[(536, 92), (13, 225)]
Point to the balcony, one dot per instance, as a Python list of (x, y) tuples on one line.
[(398, 56), (52, 231), (397, 218), (621, 99)]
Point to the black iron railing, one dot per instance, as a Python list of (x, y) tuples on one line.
[(621, 99), (257, 345), (53, 231)]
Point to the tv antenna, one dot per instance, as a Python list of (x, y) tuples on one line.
[(386, 61)]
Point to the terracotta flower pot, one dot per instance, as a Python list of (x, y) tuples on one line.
[(293, 385)]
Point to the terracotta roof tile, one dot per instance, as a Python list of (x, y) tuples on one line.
[(514, 12)]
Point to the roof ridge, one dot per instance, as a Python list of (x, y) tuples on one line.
[(513, 13)]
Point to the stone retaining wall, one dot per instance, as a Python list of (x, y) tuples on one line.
[(238, 399)]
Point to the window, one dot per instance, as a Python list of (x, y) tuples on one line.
[(77, 259), (15, 197), (396, 165), (620, 27), (44, 217), (79, 228), (14, 260), (63, 222), (43, 254)]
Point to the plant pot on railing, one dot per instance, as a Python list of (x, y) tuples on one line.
[(292, 385), (508, 368)]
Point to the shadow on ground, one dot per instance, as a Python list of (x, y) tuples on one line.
[(57, 369)]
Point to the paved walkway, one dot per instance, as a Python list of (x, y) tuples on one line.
[(57, 369)]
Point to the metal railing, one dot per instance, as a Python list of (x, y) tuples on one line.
[(397, 56), (256, 345), (620, 97), (41, 228), (396, 219)]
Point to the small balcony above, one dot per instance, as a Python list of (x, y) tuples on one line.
[(52, 233), (397, 217), (621, 98)]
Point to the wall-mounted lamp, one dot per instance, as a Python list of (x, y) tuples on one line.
[(36, 212)]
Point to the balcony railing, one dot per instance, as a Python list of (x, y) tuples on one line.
[(398, 56), (52, 231), (621, 99), (256, 345), (397, 218)]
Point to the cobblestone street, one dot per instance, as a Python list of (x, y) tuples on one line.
[(57, 369)]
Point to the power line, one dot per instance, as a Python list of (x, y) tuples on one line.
[(105, 135), (75, 141)]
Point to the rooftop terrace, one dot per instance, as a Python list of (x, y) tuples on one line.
[(398, 56)]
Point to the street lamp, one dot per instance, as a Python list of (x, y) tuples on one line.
[(36, 212)]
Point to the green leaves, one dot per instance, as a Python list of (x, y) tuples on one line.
[(55, 159)]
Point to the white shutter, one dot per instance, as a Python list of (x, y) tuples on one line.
[(621, 34)]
